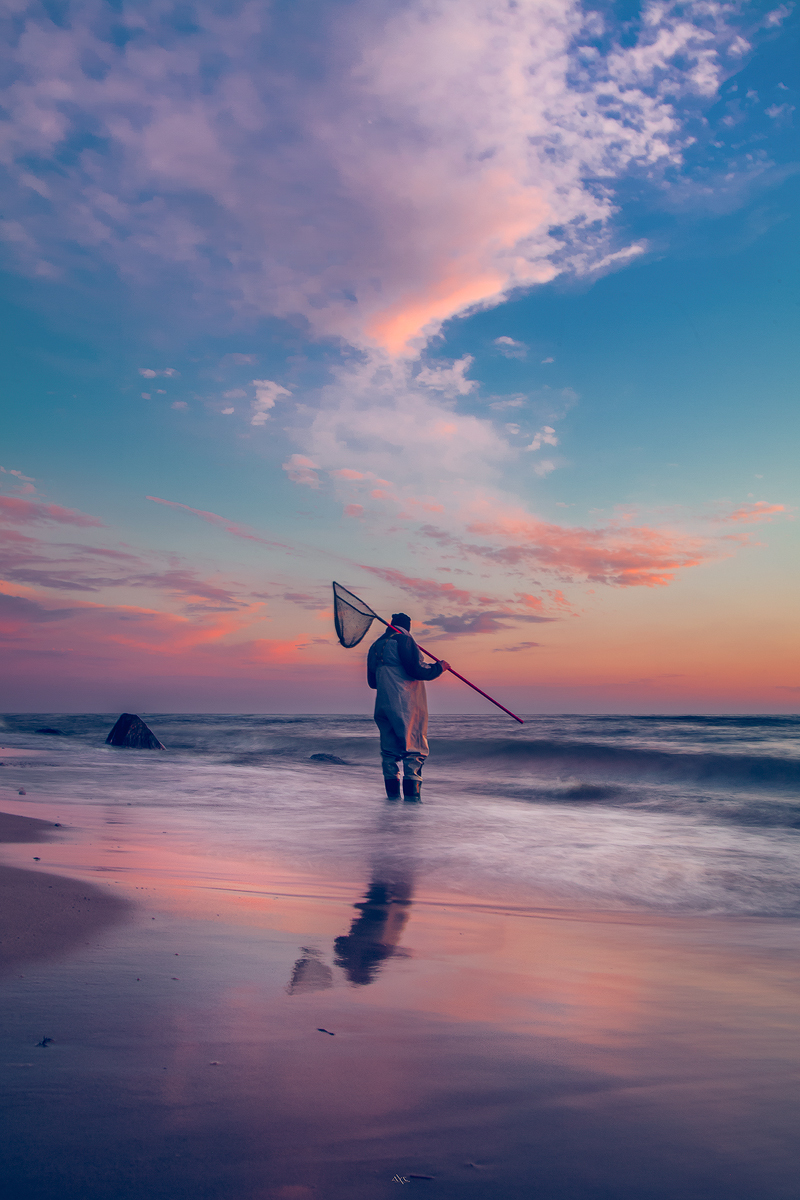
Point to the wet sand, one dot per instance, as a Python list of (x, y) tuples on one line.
[(504, 1051), (43, 915)]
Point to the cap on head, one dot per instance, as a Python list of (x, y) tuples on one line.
[(401, 621)]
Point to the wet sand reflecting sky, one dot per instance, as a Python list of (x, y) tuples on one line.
[(538, 1051)]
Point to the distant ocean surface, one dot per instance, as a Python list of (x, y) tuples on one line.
[(669, 814)]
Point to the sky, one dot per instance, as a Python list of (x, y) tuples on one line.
[(487, 309)]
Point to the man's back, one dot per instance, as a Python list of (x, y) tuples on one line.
[(396, 672)]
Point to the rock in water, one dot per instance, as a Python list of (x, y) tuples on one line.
[(131, 730), (52, 732)]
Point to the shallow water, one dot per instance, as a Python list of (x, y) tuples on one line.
[(669, 814), (570, 973)]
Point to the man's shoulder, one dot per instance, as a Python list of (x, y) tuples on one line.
[(380, 642), (406, 646)]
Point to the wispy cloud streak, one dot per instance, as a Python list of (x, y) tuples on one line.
[(24, 512), (232, 527)]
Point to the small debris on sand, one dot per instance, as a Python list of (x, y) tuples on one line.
[(44, 1043), (328, 1031), (22, 792)]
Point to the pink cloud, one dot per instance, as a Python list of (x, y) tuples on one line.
[(529, 601), (491, 616), (346, 473), (559, 599), (58, 566), (302, 469), (354, 510), (229, 526), (131, 641), (631, 557), (410, 502), (514, 649), (23, 511), (751, 513), (421, 589), (621, 555), (108, 629), (72, 567)]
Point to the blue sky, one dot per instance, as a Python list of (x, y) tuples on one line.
[(210, 205)]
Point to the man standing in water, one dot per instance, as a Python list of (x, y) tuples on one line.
[(396, 671)]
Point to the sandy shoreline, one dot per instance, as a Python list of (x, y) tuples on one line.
[(255, 1035), (42, 914)]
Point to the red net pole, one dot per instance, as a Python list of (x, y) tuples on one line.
[(485, 695)]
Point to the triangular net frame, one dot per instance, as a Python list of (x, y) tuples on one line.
[(351, 616)]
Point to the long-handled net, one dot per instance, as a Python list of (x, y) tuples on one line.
[(352, 618)]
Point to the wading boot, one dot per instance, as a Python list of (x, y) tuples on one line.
[(412, 789), (392, 788)]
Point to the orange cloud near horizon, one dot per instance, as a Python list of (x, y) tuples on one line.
[(191, 627)]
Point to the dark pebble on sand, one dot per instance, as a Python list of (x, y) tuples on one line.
[(22, 792), (331, 758), (328, 1031)]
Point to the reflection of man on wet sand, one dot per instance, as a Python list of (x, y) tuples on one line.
[(375, 932), (382, 914), (309, 974), (373, 937)]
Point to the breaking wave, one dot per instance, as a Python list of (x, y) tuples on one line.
[(677, 814)]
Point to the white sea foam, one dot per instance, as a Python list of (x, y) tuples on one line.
[(673, 815)]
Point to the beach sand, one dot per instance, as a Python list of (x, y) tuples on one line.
[(44, 915), (503, 1051)]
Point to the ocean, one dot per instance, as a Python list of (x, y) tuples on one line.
[(681, 815), (570, 973)]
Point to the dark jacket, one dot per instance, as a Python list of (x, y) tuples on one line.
[(397, 673), (409, 655)]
